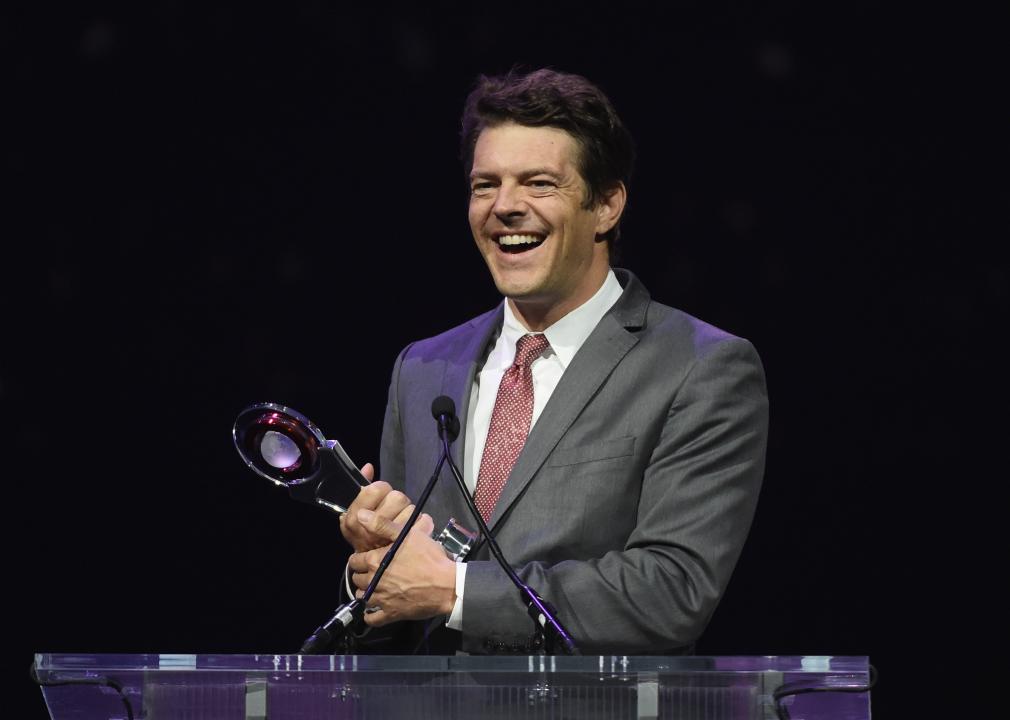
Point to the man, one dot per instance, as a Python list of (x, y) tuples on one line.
[(616, 445)]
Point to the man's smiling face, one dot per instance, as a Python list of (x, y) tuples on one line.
[(529, 220)]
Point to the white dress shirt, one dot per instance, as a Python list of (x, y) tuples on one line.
[(566, 336)]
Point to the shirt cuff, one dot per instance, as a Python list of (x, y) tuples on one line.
[(455, 621), (347, 581)]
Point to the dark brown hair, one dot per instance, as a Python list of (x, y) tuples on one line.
[(561, 100)]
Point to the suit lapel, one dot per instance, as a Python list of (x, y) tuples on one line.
[(596, 359)]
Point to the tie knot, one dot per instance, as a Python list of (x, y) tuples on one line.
[(529, 348)]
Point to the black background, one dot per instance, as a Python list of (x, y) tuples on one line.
[(217, 205)]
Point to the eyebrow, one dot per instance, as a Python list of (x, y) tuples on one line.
[(539, 171), (524, 175)]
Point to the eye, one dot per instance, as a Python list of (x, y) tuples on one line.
[(541, 183), (481, 188)]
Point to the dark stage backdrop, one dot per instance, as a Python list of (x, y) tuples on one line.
[(216, 205)]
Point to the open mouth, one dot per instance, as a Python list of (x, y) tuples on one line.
[(515, 244)]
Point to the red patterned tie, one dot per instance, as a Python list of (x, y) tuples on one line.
[(510, 423)]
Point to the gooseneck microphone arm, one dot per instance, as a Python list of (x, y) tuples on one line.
[(541, 612), (339, 625)]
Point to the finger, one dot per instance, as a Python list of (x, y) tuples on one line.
[(368, 470), (358, 563), (378, 525), (404, 515), (377, 619), (362, 581), (368, 562), (372, 495), (369, 497), (425, 524), (393, 504)]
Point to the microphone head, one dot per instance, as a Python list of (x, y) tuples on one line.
[(443, 405), (443, 409)]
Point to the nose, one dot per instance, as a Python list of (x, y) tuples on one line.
[(509, 204)]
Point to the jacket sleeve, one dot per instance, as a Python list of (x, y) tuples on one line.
[(391, 452)]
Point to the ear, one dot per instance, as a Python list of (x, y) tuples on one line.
[(610, 207)]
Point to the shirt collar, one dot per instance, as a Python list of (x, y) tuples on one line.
[(568, 334)]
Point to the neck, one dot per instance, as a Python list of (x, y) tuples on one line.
[(538, 315), (536, 318)]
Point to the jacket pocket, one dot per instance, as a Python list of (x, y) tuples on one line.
[(605, 450)]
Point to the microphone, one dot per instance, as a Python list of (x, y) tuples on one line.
[(337, 627), (455, 539), (340, 625), (443, 409), (351, 613), (551, 633)]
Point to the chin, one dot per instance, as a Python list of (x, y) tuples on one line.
[(518, 288)]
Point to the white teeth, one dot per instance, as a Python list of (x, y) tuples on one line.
[(518, 239)]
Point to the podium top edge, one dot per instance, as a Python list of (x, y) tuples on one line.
[(293, 663)]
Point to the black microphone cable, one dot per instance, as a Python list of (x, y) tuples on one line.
[(444, 411), (354, 611)]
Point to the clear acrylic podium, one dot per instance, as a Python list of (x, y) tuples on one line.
[(335, 687)]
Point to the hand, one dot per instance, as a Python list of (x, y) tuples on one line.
[(420, 582), (379, 498)]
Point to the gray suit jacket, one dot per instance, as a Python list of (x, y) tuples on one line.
[(634, 493)]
